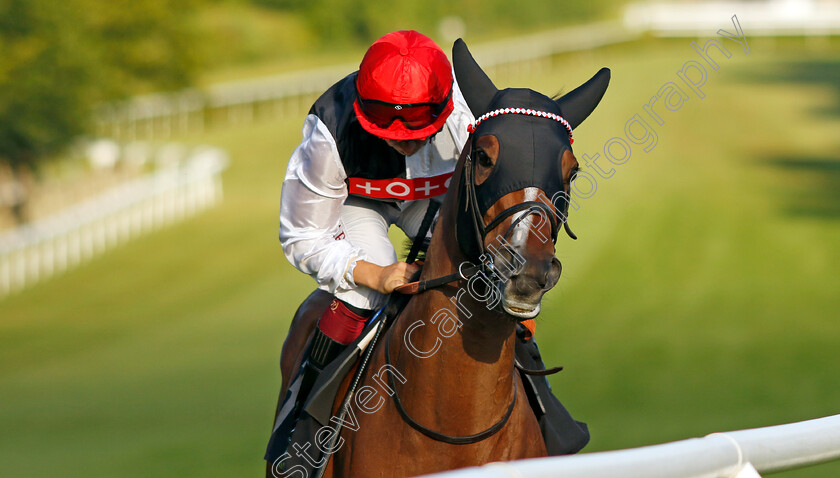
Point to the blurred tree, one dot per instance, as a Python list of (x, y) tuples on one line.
[(58, 60), (45, 83), (362, 21), (283, 4), (150, 44)]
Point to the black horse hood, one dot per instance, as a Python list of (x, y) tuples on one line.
[(531, 145)]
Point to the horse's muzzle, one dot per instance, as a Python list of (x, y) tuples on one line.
[(522, 293)]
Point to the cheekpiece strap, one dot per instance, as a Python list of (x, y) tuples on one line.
[(522, 111)]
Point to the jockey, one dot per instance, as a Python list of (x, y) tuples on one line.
[(377, 147)]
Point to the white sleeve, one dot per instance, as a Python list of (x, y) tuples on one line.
[(310, 210), (460, 118)]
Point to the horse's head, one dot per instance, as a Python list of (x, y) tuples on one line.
[(514, 187)]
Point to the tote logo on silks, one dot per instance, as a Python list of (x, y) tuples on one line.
[(400, 188)]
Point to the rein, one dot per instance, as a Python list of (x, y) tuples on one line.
[(452, 440), (538, 373)]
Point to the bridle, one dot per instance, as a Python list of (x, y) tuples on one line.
[(480, 261), (479, 230)]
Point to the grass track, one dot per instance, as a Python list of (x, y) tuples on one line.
[(701, 296)]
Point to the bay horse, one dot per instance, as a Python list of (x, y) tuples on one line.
[(440, 390)]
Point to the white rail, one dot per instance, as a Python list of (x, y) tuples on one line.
[(49, 246), (737, 454), (767, 18)]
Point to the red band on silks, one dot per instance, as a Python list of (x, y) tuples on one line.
[(531, 325), (340, 323), (400, 188)]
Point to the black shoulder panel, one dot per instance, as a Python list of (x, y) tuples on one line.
[(362, 154)]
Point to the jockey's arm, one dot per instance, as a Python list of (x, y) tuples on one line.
[(313, 194)]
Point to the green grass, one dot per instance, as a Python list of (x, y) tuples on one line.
[(700, 297)]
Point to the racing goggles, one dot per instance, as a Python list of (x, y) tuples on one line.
[(413, 115)]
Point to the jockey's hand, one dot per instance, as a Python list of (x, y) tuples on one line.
[(384, 279)]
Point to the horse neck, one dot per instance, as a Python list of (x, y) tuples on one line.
[(471, 365)]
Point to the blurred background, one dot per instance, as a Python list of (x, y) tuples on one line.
[(144, 296)]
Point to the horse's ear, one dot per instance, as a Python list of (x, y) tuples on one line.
[(477, 88), (577, 104)]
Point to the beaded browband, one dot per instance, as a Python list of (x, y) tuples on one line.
[(522, 111)]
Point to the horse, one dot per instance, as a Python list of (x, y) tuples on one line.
[(440, 390)]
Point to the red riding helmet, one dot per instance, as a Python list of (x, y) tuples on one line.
[(404, 87)]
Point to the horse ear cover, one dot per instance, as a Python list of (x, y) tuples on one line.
[(476, 87), (577, 104), (479, 91)]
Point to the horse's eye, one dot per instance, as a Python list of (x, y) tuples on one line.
[(483, 159)]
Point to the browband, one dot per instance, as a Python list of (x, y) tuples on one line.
[(522, 111)]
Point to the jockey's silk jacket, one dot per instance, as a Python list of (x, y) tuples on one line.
[(337, 158)]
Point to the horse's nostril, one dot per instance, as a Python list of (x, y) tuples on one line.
[(545, 279), (552, 274), (548, 273), (536, 278)]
